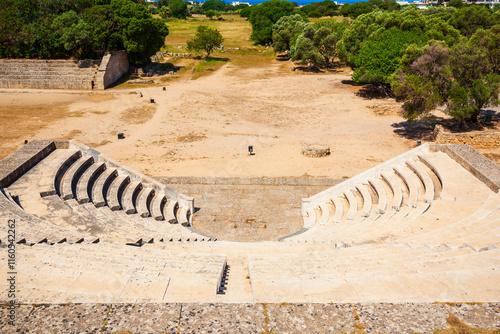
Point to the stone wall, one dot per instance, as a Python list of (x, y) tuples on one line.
[(475, 139), (48, 74), (63, 74), (112, 67), (22, 160)]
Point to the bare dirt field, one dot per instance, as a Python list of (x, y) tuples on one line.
[(203, 127)]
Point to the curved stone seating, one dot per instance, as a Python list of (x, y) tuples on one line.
[(130, 195), (101, 186), (312, 217), (353, 204), (86, 182), (411, 181), (381, 193), (52, 170), (425, 179), (367, 200), (339, 210), (396, 190), (158, 204), (115, 193), (70, 179), (170, 211), (144, 201), (184, 216), (325, 213)]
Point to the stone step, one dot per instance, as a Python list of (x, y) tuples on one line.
[(130, 196), (101, 186), (381, 193), (115, 193), (143, 203), (86, 182), (158, 205), (72, 175), (170, 211), (396, 189), (52, 169), (425, 178)]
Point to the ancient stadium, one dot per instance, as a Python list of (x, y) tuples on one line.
[(91, 245)]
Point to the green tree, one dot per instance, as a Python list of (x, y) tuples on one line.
[(423, 79), (489, 40), (246, 12), (286, 31), (358, 8), (210, 13), (264, 15), (317, 44), (378, 58), (459, 78), (468, 19), (73, 32), (215, 5), (179, 9), (455, 3), (206, 39)]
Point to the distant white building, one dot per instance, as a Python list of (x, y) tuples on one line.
[(236, 3)]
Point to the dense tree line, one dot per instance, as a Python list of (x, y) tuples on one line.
[(165, 8), (427, 58), (79, 29)]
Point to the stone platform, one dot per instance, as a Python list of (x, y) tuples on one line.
[(388, 318)]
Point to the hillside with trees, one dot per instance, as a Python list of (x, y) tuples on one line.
[(443, 56), (51, 29)]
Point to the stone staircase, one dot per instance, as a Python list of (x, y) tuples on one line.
[(48, 74), (422, 227)]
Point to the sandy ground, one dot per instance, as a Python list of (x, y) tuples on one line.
[(203, 127)]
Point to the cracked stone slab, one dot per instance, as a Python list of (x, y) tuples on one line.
[(72, 318), (403, 318), (21, 313), (483, 315), (310, 318), (143, 318), (222, 318)]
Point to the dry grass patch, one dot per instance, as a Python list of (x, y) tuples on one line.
[(98, 97), (18, 123), (99, 112), (191, 137), (458, 327), (140, 114)]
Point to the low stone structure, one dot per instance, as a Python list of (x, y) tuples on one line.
[(112, 67), (475, 139), (315, 150), (63, 74)]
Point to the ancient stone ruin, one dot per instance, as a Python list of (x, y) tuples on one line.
[(63, 74), (419, 228)]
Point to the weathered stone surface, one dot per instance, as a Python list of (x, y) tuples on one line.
[(247, 212), (75, 318), (310, 318), (485, 315), (48, 74), (476, 163), (405, 318), (143, 318), (315, 150), (222, 318), (21, 313), (476, 139)]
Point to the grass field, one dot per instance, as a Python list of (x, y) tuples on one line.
[(239, 49)]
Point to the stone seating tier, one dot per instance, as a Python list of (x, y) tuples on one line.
[(50, 74)]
